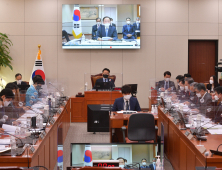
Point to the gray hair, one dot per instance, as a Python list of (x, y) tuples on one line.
[(200, 86), (189, 80), (193, 84)]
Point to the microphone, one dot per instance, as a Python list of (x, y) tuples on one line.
[(199, 137), (3, 119), (206, 154)]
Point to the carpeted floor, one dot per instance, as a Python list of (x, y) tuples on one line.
[(78, 134)]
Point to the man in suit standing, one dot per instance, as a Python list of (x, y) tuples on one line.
[(106, 30), (128, 30), (127, 102), (166, 84), (136, 25), (111, 22), (18, 78), (105, 73), (95, 28), (153, 165)]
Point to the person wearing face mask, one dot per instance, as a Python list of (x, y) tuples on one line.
[(32, 95), (111, 22), (178, 80), (188, 81), (106, 30), (218, 108), (213, 83), (18, 80), (204, 100), (153, 165), (105, 74), (186, 75), (95, 28), (144, 162), (128, 30), (122, 162), (136, 25), (181, 92), (127, 102), (193, 100), (166, 84)]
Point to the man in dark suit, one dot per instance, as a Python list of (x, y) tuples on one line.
[(111, 22), (136, 25), (95, 28), (153, 165), (193, 101), (105, 73), (188, 81), (127, 102), (106, 30), (205, 100), (166, 84), (178, 79), (18, 78), (218, 108), (128, 30), (144, 162)]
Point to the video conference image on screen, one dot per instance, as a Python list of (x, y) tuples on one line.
[(100, 26), (127, 156)]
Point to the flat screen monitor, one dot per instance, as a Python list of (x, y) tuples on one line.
[(110, 154), (101, 26), (102, 86)]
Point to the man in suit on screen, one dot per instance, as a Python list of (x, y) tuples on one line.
[(128, 30), (95, 28)]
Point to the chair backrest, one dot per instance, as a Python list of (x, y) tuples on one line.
[(141, 127), (99, 76)]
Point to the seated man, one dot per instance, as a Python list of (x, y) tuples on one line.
[(193, 100), (181, 92), (18, 78), (218, 108), (188, 81), (166, 84), (32, 92), (153, 165), (105, 73), (205, 100), (144, 162), (187, 75), (128, 30), (136, 25), (95, 28), (178, 79), (111, 22), (106, 30), (127, 102), (122, 162)]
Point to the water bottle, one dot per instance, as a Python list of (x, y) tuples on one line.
[(40, 122), (46, 110), (86, 86), (17, 132), (156, 111), (83, 38), (13, 146), (53, 103), (22, 130)]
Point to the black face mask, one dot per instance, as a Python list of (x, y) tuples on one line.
[(105, 75)]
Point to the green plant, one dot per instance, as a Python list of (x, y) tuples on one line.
[(5, 59)]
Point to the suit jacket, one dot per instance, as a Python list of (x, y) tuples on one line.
[(22, 83), (94, 29), (135, 26), (206, 106), (151, 166), (114, 25), (209, 86), (109, 80), (218, 112), (161, 84), (119, 102), (102, 33), (131, 31), (142, 167)]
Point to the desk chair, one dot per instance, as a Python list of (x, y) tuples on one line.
[(99, 76), (141, 129)]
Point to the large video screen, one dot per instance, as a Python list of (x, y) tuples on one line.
[(101, 26)]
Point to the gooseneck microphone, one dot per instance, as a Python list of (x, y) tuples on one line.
[(206, 154)]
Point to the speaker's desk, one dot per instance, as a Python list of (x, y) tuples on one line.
[(45, 150), (79, 104), (117, 121), (183, 153)]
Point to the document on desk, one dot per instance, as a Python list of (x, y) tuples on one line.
[(4, 142), (9, 128), (215, 131)]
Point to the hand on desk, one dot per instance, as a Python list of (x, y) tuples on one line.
[(129, 35)]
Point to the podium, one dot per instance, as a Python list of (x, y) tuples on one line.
[(79, 104)]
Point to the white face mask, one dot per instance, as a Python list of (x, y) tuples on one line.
[(137, 22), (107, 25), (128, 22), (6, 103), (127, 97), (167, 79), (216, 97), (211, 81), (121, 166), (186, 88), (181, 88), (98, 23), (143, 163), (198, 94), (19, 82)]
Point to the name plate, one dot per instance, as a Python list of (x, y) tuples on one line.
[(52, 121), (202, 149), (41, 136), (190, 136), (186, 133), (32, 149), (165, 111), (43, 132), (60, 111), (175, 121)]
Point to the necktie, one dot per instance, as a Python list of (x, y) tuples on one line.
[(137, 25), (167, 85), (106, 32), (127, 105)]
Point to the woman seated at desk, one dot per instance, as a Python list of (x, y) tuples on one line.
[(32, 95), (213, 83)]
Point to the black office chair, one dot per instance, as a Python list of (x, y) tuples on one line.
[(141, 128)]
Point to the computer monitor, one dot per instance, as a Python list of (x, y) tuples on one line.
[(103, 86)]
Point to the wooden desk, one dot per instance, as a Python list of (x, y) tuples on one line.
[(182, 152), (79, 104), (45, 150), (117, 121)]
